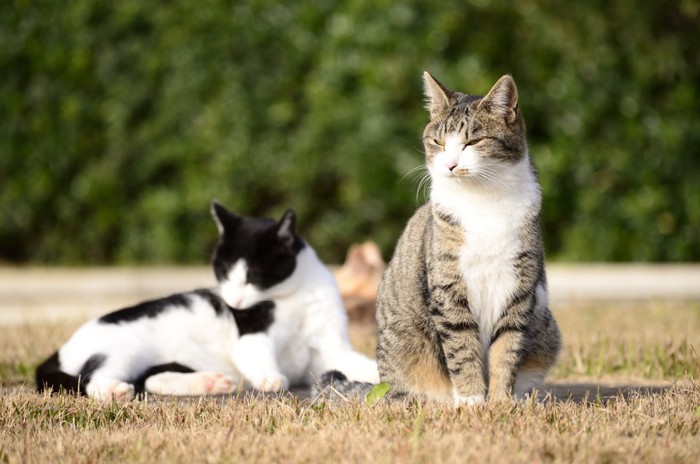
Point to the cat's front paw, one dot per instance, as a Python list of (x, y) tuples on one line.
[(272, 383), (469, 400)]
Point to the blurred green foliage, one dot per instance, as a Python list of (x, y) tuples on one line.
[(122, 120)]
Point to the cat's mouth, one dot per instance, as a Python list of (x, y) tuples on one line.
[(460, 172), (455, 170)]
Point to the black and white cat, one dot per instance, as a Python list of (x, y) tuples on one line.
[(276, 319)]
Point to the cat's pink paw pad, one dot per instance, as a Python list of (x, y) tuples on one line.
[(216, 382)]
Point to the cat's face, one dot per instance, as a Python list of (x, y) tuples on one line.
[(471, 138), (255, 257)]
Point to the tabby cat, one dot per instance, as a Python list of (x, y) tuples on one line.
[(462, 309)]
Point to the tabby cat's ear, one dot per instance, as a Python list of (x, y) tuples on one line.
[(286, 226), (224, 218), (502, 99), (438, 97)]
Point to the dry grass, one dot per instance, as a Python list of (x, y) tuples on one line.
[(608, 345)]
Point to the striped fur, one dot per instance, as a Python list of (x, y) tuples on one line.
[(462, 309)]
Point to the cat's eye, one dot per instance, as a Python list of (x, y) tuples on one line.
[(473, 142), (439, 143)]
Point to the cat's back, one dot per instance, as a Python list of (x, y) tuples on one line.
[(156, 327), (404, 279), (410, 252)]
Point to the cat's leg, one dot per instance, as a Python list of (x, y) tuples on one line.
[(410, 361), (505, 355), (543, 345), (445, 365), (108, 381), (254, 357), (524, 344), (190, 383), (462, 350), (457, 332)]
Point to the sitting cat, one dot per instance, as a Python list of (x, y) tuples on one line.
[(276, 319), (462, 308)]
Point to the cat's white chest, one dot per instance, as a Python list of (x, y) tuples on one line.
[(486, 265), (491, 219), (304, 320)]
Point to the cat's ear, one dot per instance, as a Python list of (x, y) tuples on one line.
[(438, 97), (502, 99), (286, 227), (224, 218)]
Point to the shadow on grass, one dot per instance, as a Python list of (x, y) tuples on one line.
[(579, 393), (597, 393)]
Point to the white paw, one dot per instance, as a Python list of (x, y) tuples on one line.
[(468, 400), (120, 391), (215, 383), (272, 383)]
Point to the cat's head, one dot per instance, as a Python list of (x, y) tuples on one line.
[(255, 258), (473, 139)]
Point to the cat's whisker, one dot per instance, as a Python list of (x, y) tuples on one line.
[(488, 180), (489, 177), (418, 168), (418, 149), (423, 184), (423, 178)]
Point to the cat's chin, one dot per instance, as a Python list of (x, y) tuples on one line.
[(233, 302), (242, 305), (238, 297), (469, 178), (459, 178)]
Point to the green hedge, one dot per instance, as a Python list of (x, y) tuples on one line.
[(122, 120)]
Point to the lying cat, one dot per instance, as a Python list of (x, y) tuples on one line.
[(276, 319), (462, 309)]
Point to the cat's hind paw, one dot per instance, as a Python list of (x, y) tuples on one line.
[(215, 383), (190, 383)]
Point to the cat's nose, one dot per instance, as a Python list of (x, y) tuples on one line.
[(451, 165)]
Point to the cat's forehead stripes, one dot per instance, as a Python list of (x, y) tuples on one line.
[(461, 114)]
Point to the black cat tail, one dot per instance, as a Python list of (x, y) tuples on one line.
[(49, 375)]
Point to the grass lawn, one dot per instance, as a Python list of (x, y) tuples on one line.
[(626, 389)]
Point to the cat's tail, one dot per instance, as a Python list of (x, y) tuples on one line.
[(50, 377), (335, 387)]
